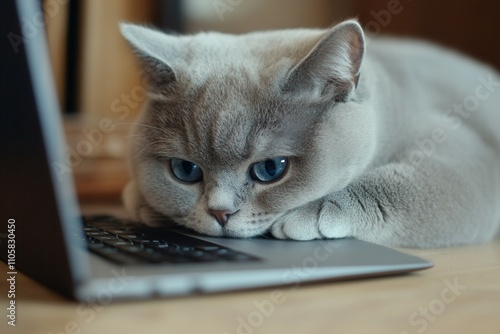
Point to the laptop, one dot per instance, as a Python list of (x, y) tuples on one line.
[(45, 236)]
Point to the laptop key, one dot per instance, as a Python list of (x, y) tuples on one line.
[(118, 242), (209, 248), (132, 249), (105, 238), (130, 236), (97, 233), (186, 248), (96, 245), (155, 245)]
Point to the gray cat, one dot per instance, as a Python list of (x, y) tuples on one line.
[(316, 134)]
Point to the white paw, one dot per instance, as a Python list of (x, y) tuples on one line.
[(317, 220), (337, 220), (298, 224)]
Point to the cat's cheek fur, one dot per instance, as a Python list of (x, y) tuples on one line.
[(199, 221), (346, 144), (137, 207), (162, 192)]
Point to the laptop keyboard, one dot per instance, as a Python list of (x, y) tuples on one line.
[(111, 238)]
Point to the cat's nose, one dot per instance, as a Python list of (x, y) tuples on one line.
[(222, 216)]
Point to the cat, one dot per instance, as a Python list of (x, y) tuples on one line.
[(316, 133)]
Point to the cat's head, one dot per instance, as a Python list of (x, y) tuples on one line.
[(240, 129)]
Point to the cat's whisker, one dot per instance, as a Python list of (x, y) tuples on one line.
[(147, 146), (154, 109), (265, 234), (141, 124)]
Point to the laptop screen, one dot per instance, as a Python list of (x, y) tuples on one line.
[(33, 198)]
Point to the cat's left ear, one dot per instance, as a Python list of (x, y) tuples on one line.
[(332, 67), (158, 53)]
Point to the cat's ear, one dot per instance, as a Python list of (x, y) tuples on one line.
[(332, 67), (156, 52)]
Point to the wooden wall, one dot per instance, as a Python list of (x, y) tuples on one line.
[(239, 16), (56, 25), (471, 26)]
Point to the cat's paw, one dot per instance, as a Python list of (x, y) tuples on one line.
[(317, 220), (297, 224)]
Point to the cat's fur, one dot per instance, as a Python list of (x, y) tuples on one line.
[(385, 140)]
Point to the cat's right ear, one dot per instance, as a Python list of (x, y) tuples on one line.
[(155, 51), (332, 68)]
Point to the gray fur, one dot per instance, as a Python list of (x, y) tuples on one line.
[(350, 122)]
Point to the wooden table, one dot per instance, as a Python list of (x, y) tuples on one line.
[(461, 294)]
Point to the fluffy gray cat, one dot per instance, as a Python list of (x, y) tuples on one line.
[(316, 134)]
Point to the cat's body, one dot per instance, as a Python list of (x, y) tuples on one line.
[(398, 145)]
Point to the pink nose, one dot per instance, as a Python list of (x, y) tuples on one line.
[(222, 216)]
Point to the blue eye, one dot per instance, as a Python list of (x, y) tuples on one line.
[(186, 171), (269, 170)]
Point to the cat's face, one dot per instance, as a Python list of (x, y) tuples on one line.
[(239, 130)]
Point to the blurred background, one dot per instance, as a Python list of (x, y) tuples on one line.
[(101, 92)]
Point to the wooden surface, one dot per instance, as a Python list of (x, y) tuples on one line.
[(421, 302)]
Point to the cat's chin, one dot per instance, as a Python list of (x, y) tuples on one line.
[(237, 227)]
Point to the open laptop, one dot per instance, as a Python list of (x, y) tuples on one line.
[(99, 256)]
